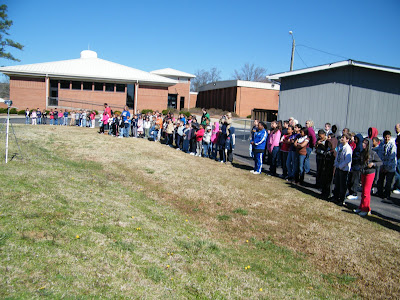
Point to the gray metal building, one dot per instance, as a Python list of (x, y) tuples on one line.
[(351, 94)]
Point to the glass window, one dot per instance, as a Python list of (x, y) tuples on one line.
[(109, 87), (54, 83), (98, 86), (76, 85), (130, 95), (64, 84), (120, 88), (87, 85)]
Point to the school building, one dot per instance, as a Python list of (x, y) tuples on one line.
[(88, 82), (259, 99)]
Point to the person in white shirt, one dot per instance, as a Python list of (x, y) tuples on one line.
[(343, 166)]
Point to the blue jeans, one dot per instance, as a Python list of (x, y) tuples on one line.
[(55, 121), (185, 146), (84, 122), (396, 185), (126, 130), (39, 120), (291, 164), (26, 120), (65, 121), (206, 149), (307, 160), (274, 159)]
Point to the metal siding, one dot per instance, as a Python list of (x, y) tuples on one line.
[(320, 103), (374, 98)]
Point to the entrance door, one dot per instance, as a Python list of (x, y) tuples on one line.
[(182, 106), (172, 100)]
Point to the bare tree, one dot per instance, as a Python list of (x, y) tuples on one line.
[(203, 77), (249, 72)]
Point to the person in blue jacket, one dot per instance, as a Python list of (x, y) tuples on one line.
[(259, 142)]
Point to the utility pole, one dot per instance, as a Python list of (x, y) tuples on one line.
[(293, 47)]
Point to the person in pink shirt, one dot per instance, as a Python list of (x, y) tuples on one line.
[(104, 121), (107, 110), (214, 139), (60, 117), (199, 140), (273, 146)]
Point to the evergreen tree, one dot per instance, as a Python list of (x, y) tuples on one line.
[(5, 25)]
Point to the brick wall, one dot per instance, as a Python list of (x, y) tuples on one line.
[(183, 90), (28, 92), (152, 97), (250, 98)]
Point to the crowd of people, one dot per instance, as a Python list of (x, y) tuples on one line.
[(183, 132), (345, 161), (82, 118)]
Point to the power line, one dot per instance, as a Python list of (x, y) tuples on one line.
[(301, 58), (323, 51)]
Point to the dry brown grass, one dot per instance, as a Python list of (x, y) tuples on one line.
[(335, 241)]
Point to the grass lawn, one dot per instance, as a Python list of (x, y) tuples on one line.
[(87, 215)]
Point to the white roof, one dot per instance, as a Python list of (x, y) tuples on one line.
[(332, 66), (88, 67), (242, 83), (172, 72)]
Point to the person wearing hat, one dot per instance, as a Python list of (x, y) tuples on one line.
[(259, 143)]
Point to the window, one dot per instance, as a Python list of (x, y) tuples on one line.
[(130, 95), (98, 86), (120, 88), (109, 87), (87, 86), (54, 83), (64, 84), (76, 85)]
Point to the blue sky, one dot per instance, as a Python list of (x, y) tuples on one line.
[(193, 35)]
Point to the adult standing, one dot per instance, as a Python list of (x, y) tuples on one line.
[(259, 142), (107, 110), (396, 186), (312, 141)]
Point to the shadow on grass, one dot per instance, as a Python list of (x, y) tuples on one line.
[(375, 217)]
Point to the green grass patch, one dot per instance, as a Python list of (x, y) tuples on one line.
[(224, 217), (241, 211)]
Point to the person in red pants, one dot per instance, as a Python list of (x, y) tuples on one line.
[(369, 162)]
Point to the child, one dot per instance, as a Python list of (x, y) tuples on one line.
[(343, 166), (214, 139), (354, 175), (301, 149), (273, 146), (186, 138), (230, 145), (179, 135), (387, 152), (292, 159), (207, 142), (285, 147), (369, 161), (259, 142), (325, 161), (199, 140), (327, 129)]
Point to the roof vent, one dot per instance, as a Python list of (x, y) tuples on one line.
[(88, 54)]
